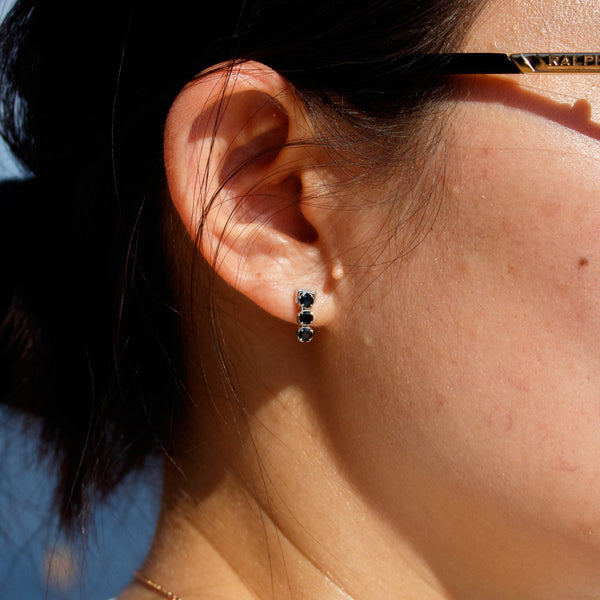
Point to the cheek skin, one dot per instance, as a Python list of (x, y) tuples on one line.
[(487, 367), (528, 218), (509, 285), (473, 373), (473, 376)]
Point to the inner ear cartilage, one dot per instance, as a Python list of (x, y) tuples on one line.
[(305, 300)]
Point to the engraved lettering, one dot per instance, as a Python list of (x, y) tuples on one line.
[(590, 60), (554, 61), (565, 62), (544, 59)]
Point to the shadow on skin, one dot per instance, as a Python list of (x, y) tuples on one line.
[(499, 90)]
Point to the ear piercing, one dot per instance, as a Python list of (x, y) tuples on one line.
[(305, 299)]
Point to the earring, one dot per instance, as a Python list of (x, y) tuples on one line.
[(305, 299)]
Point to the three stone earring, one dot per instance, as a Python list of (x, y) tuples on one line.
[(305, 300)]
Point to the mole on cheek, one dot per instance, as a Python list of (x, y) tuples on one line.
[(583, 262)]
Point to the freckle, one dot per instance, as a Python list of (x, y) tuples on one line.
[(510, 269), (258, 275), (583, 262)]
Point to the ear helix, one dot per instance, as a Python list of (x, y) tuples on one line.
[(305, 300)]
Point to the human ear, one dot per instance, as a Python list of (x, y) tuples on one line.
[(240, 168)]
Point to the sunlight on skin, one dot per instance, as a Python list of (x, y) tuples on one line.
[(445, 444)]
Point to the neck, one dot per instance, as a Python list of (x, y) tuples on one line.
[(276, 520), (231, 545)]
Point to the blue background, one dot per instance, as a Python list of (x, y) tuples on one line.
[(99, 563)]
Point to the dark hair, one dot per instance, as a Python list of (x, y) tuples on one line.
[(89, 335)]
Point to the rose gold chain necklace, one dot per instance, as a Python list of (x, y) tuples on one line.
[(159, 589)]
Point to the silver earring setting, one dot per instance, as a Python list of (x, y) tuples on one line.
[(305, 299)]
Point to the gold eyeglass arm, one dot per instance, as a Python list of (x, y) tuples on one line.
[(478, 63)]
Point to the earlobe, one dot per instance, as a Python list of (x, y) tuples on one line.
[(239, 168)]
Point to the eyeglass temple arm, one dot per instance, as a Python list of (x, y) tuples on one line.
[(492, 63)]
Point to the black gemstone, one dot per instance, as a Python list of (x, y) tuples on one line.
[(306, 300), (305, 334), (305, 318)]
